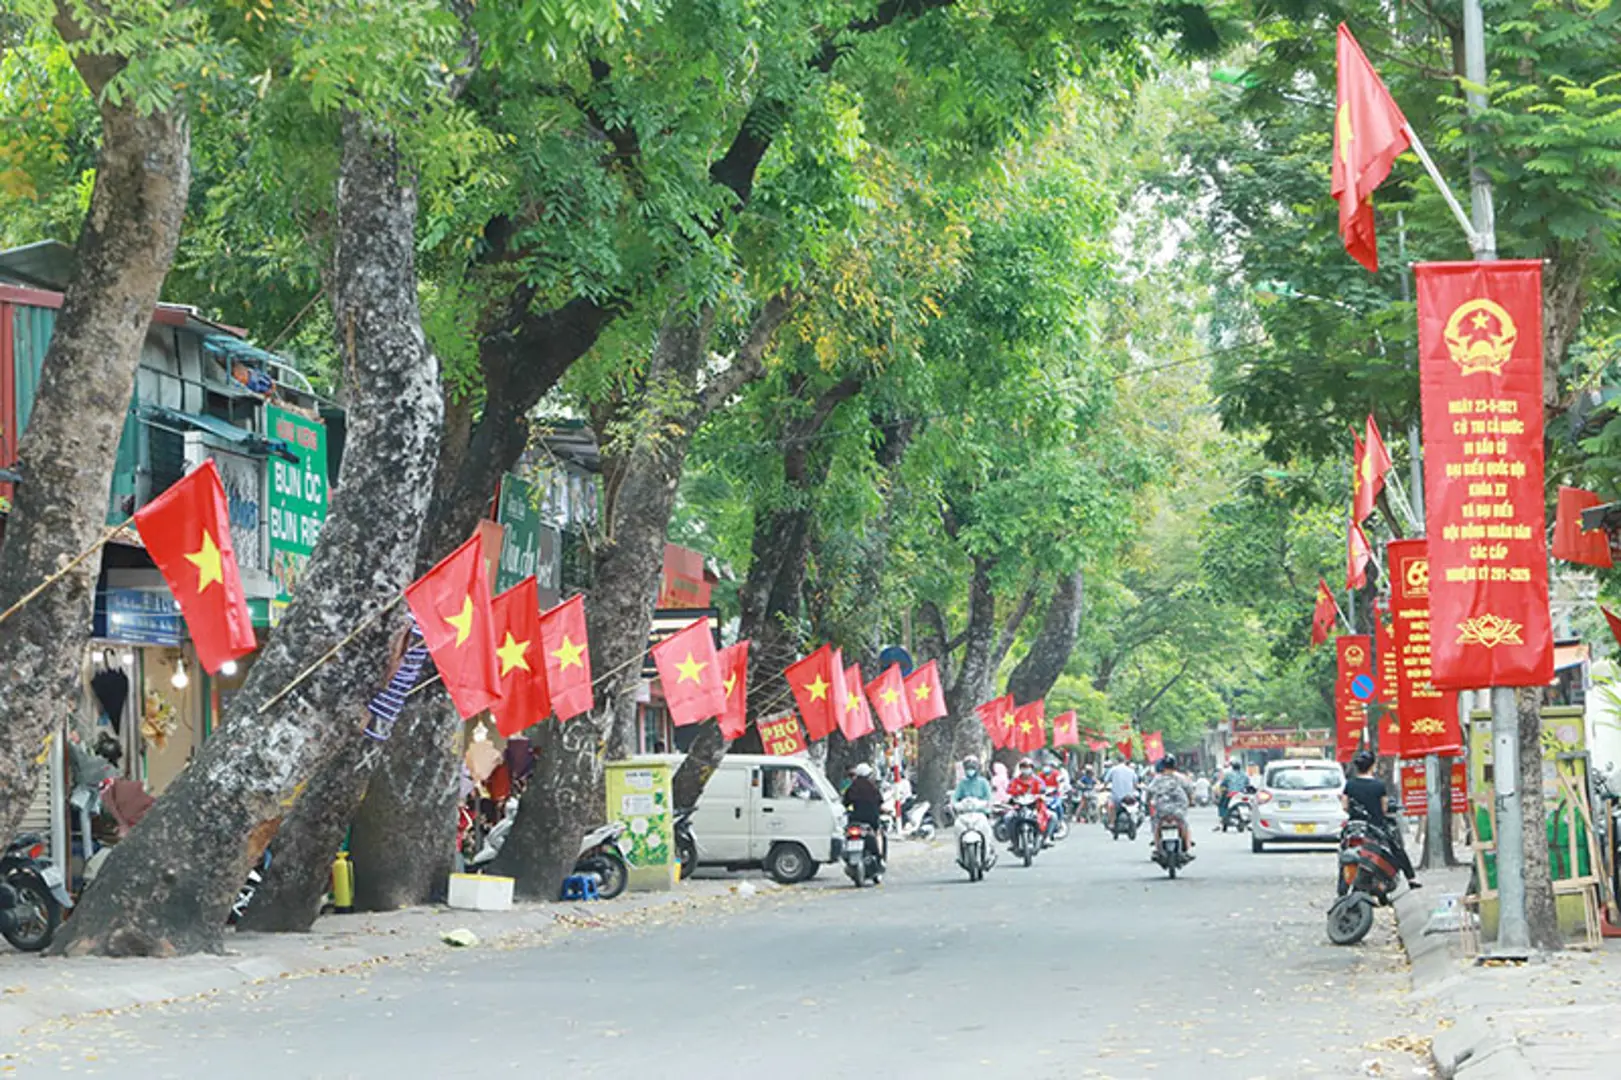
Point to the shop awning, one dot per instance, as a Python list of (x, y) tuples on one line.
[(240, 439)]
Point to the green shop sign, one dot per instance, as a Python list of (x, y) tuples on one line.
[(298, 496), (519, 515)]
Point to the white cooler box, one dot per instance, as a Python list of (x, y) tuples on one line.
[(480, 892)]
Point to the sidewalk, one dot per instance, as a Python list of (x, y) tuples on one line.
[(36, 990), (1553, 1017)]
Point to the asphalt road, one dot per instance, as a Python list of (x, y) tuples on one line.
[(1089, 964)]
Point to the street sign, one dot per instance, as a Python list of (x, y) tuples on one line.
[(1362, 687), (894, 654)]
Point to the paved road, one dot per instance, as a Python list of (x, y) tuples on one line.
[(1089, 964)]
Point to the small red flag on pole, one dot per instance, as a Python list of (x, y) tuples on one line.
[(1322, 616), (187, 531), (734, 669), (1570, 542), (817, 685), (855, 720), (1065, 732), (1358, 554), (992, 714), (690, 674), (524, 700), (451, 604), (888, 696), (1370, 132), (1030, 724), (568, 658), (923, 695)]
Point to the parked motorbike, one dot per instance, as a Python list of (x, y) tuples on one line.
[(1125, 818), (686, 848), (975, 853), (1240, 809), (599, 853), (1023, 830), (1367, 878), (33, 894), (862, 862), (917, 819), (1169, 852)]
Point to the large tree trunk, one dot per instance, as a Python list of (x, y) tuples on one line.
[(1541, 916), (166, 888), (143, 171), (1040, 668), (941, 742), (565, 797)]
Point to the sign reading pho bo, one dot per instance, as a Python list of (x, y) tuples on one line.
[(781, 735), (1353, 690), (1480, 372), (1429, 717)]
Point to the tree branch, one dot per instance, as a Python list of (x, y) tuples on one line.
[(1148, 706), (1005, 641), (749, 359)]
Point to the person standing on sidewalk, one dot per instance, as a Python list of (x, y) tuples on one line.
[(1364, 797)]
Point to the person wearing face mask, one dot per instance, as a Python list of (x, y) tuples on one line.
[(973, 784)]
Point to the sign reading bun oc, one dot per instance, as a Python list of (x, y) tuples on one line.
[(1480, 372)]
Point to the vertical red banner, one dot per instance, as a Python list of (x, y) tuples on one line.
[(1389, 681), (1480, 373), (1354, 688), (1429, 717)]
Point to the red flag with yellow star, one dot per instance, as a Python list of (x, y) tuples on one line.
[(1065, 730), (923, 695), (451, 604), (524, 702), (1372, 462), (187, 531), (1358, 554), (690, 673), (856, 719), (997, 716), (818, 685), (888, 696), (1323, 614), (1030, 726), (734, 674), (1370, 132), (568, 658)]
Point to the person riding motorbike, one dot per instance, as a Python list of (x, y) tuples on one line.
[(973, 784), (865, 805), (1169, 796), (1121, 780), (1233, 781), (1364, 797), (1087, 780), (1028, 783)]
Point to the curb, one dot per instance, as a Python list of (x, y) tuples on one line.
[(1471, 1047)]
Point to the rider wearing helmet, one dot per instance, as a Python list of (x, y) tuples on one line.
[(865, 805), (1028, 783), (1169, 796), (1233, 781), (973, 784)]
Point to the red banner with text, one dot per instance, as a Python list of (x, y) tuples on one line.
[(1429, 717), (1480, 373), (782, 735), (1415, 789), (1353, 690), (1389, 695)]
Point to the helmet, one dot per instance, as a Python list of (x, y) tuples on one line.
[(1363, 761), (1026, 763), (1234, 764), (970, 763), (863, 769), (1165, 764)]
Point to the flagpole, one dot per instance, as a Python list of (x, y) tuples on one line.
[(1446, 192), (32, 594)]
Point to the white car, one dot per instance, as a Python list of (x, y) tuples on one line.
[(1298, 802)]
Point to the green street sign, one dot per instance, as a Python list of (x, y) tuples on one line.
[(298, 496), (518, 513)]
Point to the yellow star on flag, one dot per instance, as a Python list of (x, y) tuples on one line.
[(818, 688), (568, 654), (889, 695), (1025, 726), (730, 684), (210, 567), (462, 622), (923, 691), (689, 669), (1007, 721), (512, 654), (852, 701)]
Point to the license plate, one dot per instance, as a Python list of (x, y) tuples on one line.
[(52, 876), (1306, 828), (1283, 804)]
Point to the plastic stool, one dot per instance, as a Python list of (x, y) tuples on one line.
[(580, 887)]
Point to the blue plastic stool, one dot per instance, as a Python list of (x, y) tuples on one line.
[(580, 887)]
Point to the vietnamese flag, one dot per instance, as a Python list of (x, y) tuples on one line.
[(1372, 462), (187, 531), (1358, 554), (524, 700), (1065, 732), (1370, 132), (451, 604), (1322, 616), (855, 720), (690, 673), (567, 657), (1570, 542), (1615, 623), (923, 695), (1153, 745), (888, 696), (817, 682), (992, 714), (734, 674), (1096, 745), (1030, 726)]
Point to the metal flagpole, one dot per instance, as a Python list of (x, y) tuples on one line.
[(1470, 229)]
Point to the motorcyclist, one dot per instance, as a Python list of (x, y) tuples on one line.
[(865, 805), (1028, 783), (1233, 781), (1169, 795), (1121, 780), (1088, 779), (1057, 785), (1364, 797), (973, 784)]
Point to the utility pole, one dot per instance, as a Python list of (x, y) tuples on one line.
[(1513, 932)]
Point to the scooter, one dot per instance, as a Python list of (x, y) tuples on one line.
[(862, 862), (600, 853), (1023, 830), (33, 894), (686, 848), (917, 819), (1125, 818), (1367, 878), (1169, 852), (1059, 825), (1096, 806), (1240, 809), (975, 852)]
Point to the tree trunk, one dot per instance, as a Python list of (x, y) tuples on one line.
[(941, 742), (166, 888), (66, 455), (1040, 668), (565, 796), (1541, 916)]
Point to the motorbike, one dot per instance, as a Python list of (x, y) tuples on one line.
[(862, 862), (1060, 818), (974, 849), (686, 848), (1169, 852), (1126, 818), (1367, 877), (1240, 809), (599, 853), (33, 894), (1023, 830), (1096, 806), (917, 819)]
